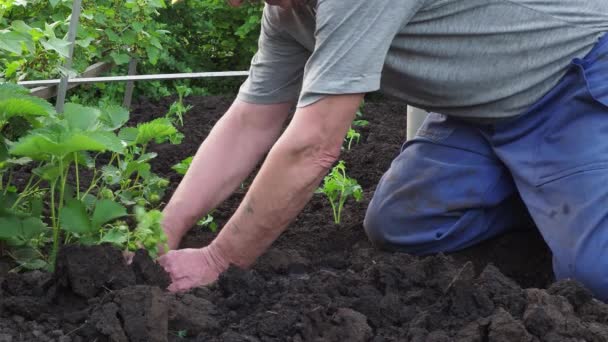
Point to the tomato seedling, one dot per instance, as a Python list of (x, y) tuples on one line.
[(338, 187)]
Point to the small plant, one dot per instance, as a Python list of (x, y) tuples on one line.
[(178, 109), (353, 134), (183, 166), (338, 187), (209, 222)]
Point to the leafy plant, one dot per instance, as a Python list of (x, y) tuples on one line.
[(178, 109), (183, 166), (62, 147), (351, 135), (338, 187)]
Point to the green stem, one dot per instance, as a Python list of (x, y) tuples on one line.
[(55, 227), (336, 214), (8, 182), (28, 191), (77, 177), (143, 151), (93, 184)]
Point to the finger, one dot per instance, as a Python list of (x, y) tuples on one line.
[(177, 286), (163, 260), (128, 257)]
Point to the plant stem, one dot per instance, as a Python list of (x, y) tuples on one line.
[(8, 182), (28, 191), (93, 184), (143, 151), (77, 177), (336, 213), (55, 227)]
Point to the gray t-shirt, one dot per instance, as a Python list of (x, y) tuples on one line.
[(468, 58)]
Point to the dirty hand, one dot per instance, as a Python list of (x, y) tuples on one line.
[(191, 268)]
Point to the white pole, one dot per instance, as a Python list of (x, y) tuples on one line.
[(415, 118), (63, 85)]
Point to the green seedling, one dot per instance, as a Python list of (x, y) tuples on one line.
[(338, 187), (352, 135), (183, 166), (178, 109), (209, 222)]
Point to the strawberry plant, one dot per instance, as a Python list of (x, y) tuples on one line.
[(59, 148), (338, 187)]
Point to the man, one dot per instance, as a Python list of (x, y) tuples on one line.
[(522, 88)]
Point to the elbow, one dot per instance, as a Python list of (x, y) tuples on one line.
[(317, 153), (324, 157)]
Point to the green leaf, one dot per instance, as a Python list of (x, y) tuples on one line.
[(120, 58), (58, 45), (128, 135), (74, 218), (28, 258), (48, 172), (183, 166), (16, 101), (153, 54), (114, 117), (147, 157), (11, 41), (84, 42), (23, 106), (116, 237), (31, 227), (158, 129), (106, 211), (13, 227), (56, 142), (9, 227), (80, 117)]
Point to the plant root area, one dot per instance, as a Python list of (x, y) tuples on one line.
[(319, 282)]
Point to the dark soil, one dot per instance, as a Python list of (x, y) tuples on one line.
[(320, 281)]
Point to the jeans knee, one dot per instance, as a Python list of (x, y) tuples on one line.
[(591, 271), (374, 224)]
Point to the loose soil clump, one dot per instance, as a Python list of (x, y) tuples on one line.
[(319, 282)]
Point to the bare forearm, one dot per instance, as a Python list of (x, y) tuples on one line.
[(293, 170), (223, 161), (280, 191)]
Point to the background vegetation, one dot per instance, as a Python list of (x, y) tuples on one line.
[(188, 36)]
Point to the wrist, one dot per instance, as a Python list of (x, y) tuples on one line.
[(216, 257)]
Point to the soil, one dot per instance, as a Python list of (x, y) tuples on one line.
[(319, 282)]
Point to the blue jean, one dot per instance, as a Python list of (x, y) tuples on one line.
[(458, 183)]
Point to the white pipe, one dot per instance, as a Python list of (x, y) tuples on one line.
[(415, 118), (136, 78)]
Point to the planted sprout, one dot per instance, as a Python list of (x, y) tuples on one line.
[(178, 109), (338, 187), (352, 135)]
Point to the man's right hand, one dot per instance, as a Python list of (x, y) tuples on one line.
[(191, 268)]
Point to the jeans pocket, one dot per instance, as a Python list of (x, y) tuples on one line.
[(435, 128)]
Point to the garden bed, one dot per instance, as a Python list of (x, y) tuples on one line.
[(319, 282)]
